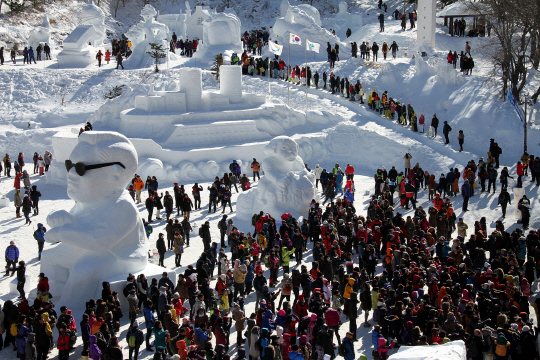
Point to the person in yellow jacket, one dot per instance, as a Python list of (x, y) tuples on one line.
[(261, 240), (501, 349), (348, 289), (285, 258)]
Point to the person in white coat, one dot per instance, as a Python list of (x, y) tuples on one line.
[(317, 171)]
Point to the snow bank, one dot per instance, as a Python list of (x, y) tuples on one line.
[(454, 350)]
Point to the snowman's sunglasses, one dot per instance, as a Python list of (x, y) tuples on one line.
[(81, 169)]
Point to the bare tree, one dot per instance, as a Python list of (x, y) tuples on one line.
[(116, 4), (513, 48)]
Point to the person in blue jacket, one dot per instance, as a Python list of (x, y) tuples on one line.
[(339, 182), (375, 335), (349, 195), (267, 322), (39, 235), (149, 321), (446, 249), (347, 344), (12, 257)]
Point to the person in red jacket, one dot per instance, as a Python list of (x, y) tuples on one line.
[(332, 319), (438, 202), (521, 168), (349, 172), (63, 342)]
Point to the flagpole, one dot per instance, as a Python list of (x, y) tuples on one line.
[(268, 70), (287, 67), (306, 76)]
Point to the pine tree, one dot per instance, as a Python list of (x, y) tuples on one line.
[(157, 53), (218, 61)]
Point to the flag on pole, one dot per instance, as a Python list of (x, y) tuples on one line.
[(295, 39), (275, 48), (312, 46)]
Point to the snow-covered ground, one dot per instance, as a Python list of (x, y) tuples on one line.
[(53, 99)]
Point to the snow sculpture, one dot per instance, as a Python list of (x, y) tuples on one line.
[(102, 236), (80, 47), (194, 23), (284, 7), (92, 14), (142, 34), (286, 185), (221, 35), (344, 20), (304, 21), (425, 37), (41, 34)]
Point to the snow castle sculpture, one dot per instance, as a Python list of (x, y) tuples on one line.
[(142, 34), (102, 236), (41, 34), (286, 185)]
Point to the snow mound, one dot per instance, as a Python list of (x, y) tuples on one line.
[(454, 350)]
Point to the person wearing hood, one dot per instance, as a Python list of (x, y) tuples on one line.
[(93, 351), (348, 346), (286, 289), (383, 348), (163, 303), (267, 322), (135, 339), (222, 226), (239, 318), (27, 208), (85, 331)]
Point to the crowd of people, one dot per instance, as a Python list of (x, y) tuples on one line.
[(435, 287)]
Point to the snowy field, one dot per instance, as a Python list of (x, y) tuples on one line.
[(53, 99)]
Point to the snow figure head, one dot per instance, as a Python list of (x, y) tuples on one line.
[(343, 7), (102, 237), (286, 186), (285, 148), (92, 15), (98, 148), (148, 12)]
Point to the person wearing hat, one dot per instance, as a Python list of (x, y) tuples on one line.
[(466, 192), (27, 208), (256, 167), (133, 306), (62, 342), (12, 257)]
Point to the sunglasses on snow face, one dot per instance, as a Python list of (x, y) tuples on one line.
[(81, 169)]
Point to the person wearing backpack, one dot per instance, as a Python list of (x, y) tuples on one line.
[(346, 349), (134, 339), (286, 289)]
